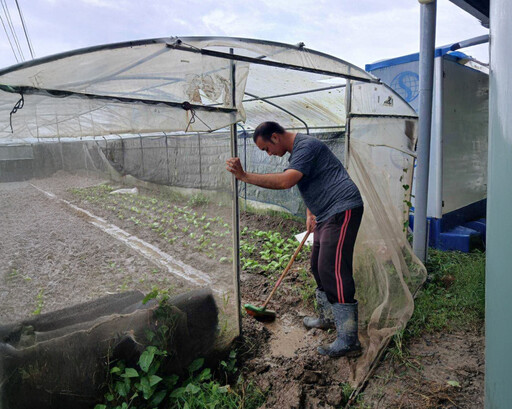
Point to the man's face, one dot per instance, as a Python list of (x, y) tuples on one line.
[(272, 147)]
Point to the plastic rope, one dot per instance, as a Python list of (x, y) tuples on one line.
[(15, 109), (187, 107)]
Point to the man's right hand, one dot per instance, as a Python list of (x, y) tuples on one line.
[(234, 166)]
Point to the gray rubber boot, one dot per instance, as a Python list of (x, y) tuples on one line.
[(325, 318), (347, 341)]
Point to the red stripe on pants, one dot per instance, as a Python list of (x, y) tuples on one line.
[(339, 254)]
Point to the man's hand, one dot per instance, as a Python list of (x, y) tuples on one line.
[(234, 166), (310, 222)]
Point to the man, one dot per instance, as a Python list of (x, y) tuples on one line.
[(334, 212)]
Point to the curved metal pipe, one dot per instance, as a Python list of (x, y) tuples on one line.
[(281, 108)]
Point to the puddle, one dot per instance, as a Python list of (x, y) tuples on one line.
[(286, 338)]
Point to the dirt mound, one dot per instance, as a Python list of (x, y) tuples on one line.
[(281, 358), (287, 227)]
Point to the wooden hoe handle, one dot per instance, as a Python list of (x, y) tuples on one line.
[(286, 269)]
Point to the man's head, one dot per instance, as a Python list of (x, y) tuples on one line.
[(268, 137)]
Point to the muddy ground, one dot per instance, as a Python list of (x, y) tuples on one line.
[(52, 256)]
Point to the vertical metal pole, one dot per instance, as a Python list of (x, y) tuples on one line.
[(245, 167), (236, 209), (200, 172), (427, 49), (84, 152), (106, 147), (348, 108), (122, 153), (437, 133), (175, 167), (167, 159), (61, 153), (498, 280), (141, 155)]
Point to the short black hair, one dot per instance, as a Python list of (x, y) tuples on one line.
[(266, 129)]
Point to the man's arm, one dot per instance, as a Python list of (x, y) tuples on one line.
[(284, 180)]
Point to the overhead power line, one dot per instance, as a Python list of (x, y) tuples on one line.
[(25, 30), (11, 27), (9, 38)]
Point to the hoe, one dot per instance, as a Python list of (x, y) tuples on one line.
[(261, 313)]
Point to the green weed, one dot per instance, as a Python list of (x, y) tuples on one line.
[(148, 387), (13, 274), (202, 390), (39, 302)]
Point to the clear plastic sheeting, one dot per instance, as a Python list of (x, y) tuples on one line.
[(138, 89), (151, 72), (378, 99), (196, 161), (316, 101), (297, 56), (390, 142), (44, 116), (386, 271), (118, 91)]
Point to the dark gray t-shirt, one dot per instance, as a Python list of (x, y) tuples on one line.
[(326, 187)]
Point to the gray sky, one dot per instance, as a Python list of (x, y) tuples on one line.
[(358, 31)]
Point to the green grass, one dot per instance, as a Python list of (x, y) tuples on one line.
[(454, 295), (453, 298)]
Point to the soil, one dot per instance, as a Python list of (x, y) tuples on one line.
[(53, 256), (443, 370)]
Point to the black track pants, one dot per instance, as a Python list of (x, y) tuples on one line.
[(332, 255)]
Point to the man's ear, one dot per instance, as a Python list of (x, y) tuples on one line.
[(273, 138)]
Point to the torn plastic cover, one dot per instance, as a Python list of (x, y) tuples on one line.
[(157, 73)]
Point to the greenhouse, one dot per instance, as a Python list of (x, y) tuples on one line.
[(129, 140)]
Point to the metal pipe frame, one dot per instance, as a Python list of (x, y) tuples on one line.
[(236, 206), (427, 50), (165, 41), (279, 107), (348, 108), (177, 46), (25, 90), (437, 133), (309, 91)]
